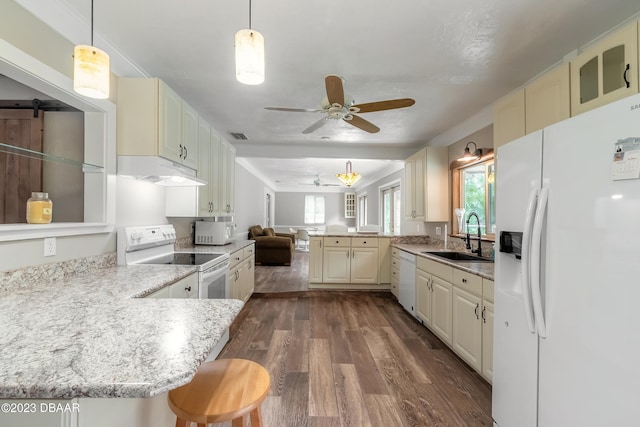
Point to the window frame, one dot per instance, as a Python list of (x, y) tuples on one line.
[(456, 168), (393, 188), (361, 217)]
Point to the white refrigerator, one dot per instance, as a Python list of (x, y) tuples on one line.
[(567, 306)]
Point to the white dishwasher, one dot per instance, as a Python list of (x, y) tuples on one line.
[(407, 282)]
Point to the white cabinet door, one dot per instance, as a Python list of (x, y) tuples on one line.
[(205, 205), (189, 136), (364, 265), (227, 178), (315, 260), (487, 340), (467, 327), (441, 309), (336, 265), (185, 288), (170, 132), (423, 296)]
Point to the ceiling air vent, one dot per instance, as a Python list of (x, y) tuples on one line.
[(239, 136)]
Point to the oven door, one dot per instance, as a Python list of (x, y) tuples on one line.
[(214, 282)]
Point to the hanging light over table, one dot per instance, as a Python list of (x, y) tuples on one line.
[(249, 55), (349, 178), (91, 73)]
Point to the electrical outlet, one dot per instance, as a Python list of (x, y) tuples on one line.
[(49, 246), (438, 231)]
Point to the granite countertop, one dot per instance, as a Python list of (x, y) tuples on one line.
[(483, 269), (91, 336)]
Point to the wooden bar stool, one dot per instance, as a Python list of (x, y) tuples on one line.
[(222, 390)]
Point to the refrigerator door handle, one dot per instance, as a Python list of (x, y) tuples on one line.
[(536, 246), (526, 260)]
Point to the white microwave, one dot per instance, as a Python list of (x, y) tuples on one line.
[(214, 233)]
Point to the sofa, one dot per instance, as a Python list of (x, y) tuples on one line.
[(272, 247)]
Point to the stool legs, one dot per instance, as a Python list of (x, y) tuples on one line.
[(256, 418)]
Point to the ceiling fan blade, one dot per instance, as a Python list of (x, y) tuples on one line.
[(384, 105), (316, 125), (335, 91), (363, 124), (295, 110)]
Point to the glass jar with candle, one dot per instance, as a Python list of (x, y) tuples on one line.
[(39, 208)]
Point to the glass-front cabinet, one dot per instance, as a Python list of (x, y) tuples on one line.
[(606, 71)]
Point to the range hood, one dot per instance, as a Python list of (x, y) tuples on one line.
[(158, 170)]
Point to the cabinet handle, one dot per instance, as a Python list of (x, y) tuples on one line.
[(464, 280), (181, 150), (476, 311), (188, 289), (624, 76), (186, 152), (484, 314)]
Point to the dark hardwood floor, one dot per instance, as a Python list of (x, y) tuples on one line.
[(341, 358)]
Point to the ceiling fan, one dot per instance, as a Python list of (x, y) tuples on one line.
[(319, 183), (338, 106)]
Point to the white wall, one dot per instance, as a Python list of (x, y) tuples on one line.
[(290, 210), (250, 203)]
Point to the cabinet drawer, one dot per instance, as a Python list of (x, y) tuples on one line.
[(234, 258), (467, 281), (340, 242), (247, 251), (434, 267), (395, 262), (395, 275), (487, 289), (395, 252), (364, 242)]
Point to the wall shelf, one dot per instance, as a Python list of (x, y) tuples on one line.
[(36, 155)]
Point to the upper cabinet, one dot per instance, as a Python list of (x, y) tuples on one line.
[(606, 71), (349, 205), (509, 118), (547, 99), (154, 120), (426, 185)]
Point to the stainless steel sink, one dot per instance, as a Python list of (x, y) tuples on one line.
[(459, 256)]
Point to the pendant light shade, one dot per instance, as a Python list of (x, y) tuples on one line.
[(249, 57), (91, 71), (349, 178)]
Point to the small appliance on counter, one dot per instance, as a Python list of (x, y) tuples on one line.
[(215, 233)]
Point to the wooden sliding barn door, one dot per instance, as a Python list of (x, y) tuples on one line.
[(20, 175)]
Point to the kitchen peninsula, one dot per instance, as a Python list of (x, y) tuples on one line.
[(95, 335)]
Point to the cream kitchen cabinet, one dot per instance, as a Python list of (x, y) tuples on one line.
[(487, 329), (547, 99), (187, 287), (509, 118), (154, 121), (434, 297), (349, 205), (467, 323), (395, 271), (315, 260), (426, 185), (216, 165), (345, 261), (606, 71), (242, 273)]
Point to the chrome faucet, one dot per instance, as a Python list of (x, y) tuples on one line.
[(468, 239)]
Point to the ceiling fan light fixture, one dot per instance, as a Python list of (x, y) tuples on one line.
[(467, 156), (91, 69), (249, 46), (349, 178)]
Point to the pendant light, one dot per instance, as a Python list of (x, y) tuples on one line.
[(349, 177), (91, 73), (249, 55)]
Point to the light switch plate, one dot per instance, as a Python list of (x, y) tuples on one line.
[(49, 246), (438, 231)]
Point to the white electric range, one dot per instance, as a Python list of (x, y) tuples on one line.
[(155, 245)]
